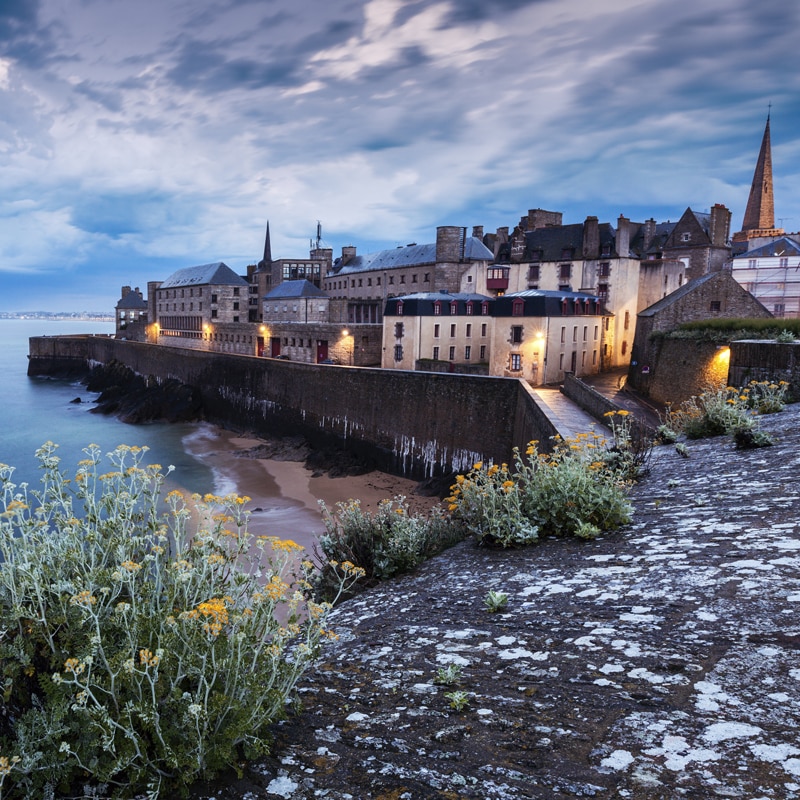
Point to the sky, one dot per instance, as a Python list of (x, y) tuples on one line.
[(138, 137)]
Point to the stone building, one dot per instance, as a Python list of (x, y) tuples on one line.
[(203, 307), (270, 273), (714, 295), (301, 322), (454, 263), (535, 335), (131, 314)]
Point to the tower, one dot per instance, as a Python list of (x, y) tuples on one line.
[(267, 260), (759, 216)]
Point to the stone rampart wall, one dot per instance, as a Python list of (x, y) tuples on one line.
[(758, 360), (408, 423)]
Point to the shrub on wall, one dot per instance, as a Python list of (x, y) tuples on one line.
[(138, 654)]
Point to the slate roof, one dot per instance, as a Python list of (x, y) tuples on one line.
[(550, 244), (132, 300), (298, 288), (409, 256), (216, 274), (680, 292), (779, 247)]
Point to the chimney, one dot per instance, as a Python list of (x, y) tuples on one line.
[(623, 237), (649, 233), (591, 238), (348, 254), (126, 290), (477, 232), (719, 225)]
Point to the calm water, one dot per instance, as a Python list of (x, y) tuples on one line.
[(36, 410)]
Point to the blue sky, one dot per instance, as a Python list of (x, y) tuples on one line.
[(140, 137)]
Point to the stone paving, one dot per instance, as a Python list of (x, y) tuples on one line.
[(660, 661)]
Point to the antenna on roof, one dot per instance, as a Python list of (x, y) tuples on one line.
[(319, 233)]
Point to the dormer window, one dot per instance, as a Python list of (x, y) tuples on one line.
[(437, 308), (469, 307), (453, 308), (517, 307), (485, 308), (399, 308)]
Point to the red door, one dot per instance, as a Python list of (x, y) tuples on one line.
[(322, 350), (275, 346)]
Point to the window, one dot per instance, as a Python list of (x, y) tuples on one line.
[(437, 308), (563, 334), (483, 329), (564, 272), (516, 334), (602, 291), (453, 308), (604, 269), (402, 279), (369, 281), (783, 263), (595, 332), (483, 352), (517, 307), (515, 362), (427, 278), (398, 352), (469, 308), (378, 281), (413, 279), (213, 298), (533, 272), (452, 330), (391, 280), (360, 282), (778, 308), (236, 319), (752, 264), (213, 313), (436, 331), (686, 236), (714, 305), (398, 330), (399, 308), (585, 332), (452, 353), (435, 353), (467, 353), (235, 306), (575, 333), (624, 348), (627, 320), (235, 292), (485, 308), (469, 331)]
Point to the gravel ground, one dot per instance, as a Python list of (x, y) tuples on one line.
[(658, 662)]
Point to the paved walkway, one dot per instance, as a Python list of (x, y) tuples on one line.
[(569, 418)]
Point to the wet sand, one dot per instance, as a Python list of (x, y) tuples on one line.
[(284, 495)]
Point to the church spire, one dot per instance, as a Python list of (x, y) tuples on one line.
[(759, 215), (267, 260)]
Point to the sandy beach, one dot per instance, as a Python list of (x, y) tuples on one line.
[(284, 495)]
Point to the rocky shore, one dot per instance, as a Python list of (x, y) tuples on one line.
[(657, 662)]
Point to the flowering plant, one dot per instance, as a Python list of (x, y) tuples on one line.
[(134, 650)]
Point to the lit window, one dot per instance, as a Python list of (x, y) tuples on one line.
[(515, 362)]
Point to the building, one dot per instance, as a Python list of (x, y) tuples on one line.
[(131, 314), (771, 273), (535, 335), (713, 295), (454, 263), (269, 273), (301, 322), (203, 307)]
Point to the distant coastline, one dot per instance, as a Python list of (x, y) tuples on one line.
[(98, 316)]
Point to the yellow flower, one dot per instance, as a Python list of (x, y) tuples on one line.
[(477, 465), (623, 413), (85, 598)]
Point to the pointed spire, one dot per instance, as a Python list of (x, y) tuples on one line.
[(759, 215), (760, 211), (267, 248)]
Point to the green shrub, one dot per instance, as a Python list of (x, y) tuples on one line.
[(717, 412), (134, 653), (577, 490), (382, 544)]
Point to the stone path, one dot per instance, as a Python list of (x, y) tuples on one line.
[(661, 661)]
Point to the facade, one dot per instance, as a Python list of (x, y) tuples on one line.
[(454, 263), (714, 295), (535, 335), (204, 307), (301, 323), (131, 314), (771, 273)]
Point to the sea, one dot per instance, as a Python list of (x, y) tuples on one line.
[(37, 410)]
